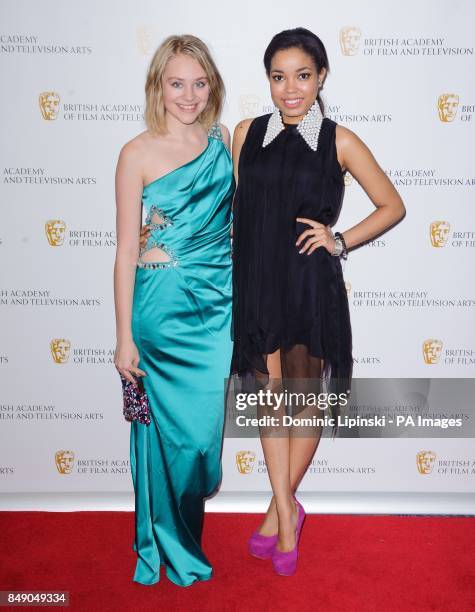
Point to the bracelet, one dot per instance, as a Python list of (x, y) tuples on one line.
[(340, 249)]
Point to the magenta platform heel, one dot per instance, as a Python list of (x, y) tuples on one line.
[(285, 563), (261, 546)]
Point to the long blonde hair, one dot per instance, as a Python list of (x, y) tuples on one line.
[(197, 49)]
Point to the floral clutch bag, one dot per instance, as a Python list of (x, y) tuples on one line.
[(136, 404)]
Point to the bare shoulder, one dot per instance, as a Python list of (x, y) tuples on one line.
[(240, 133), (132, 155), (134, 152), (351, 150), (245, 123), (239, 136), (242, 127), (136, 147), (345, 138)]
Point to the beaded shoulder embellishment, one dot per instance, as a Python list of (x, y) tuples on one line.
[(215, 131)]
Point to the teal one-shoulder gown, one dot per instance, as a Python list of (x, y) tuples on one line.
[(181, 324)]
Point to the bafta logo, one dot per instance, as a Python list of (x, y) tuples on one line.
[(249, 106), (348, 288), (425, 460), (55, 230), (350, 37), (145, 40), (439, 233), (447, 105), (64, 460), (347, 178), (431, 350), (49, 105), (245, 461), (60, 348)]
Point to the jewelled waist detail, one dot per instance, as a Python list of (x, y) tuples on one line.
[(167, 245), (172, 262), (157, 221)]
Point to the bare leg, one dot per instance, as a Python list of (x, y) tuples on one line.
[(277, 456), (301, 452), (301, 448)]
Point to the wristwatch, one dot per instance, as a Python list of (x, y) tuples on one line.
[(340, 249)]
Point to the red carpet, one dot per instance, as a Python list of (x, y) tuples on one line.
[(347, 563)]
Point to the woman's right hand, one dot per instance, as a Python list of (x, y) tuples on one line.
[(144, 235), (126, 360)]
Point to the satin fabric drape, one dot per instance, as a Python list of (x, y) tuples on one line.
[(181, 325)]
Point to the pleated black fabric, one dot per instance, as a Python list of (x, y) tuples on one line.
[(283, 299)]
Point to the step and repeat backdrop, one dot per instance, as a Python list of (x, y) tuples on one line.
[(73, 73)]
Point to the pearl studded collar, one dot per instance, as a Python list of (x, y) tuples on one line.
[(308, 128)]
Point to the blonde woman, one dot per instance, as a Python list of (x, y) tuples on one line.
[(173, 304)]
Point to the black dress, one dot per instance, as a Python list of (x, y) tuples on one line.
[(283, 299)]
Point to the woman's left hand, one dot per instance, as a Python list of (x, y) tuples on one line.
[(318, 235)]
